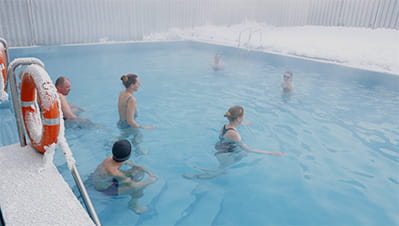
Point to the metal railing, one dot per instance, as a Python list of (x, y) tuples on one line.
[(254, 32), (239, 36), (14, 92), (21, 132), (85, 195), (251, 32)]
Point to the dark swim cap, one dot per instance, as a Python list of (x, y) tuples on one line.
[(121, 150)]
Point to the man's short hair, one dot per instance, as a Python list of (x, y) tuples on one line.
[(60, 81)]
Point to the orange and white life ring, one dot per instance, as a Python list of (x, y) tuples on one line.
[(3, 65), (40, 107)]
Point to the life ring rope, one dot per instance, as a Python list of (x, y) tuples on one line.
[(51, 121), (45, 121), (27, 103)]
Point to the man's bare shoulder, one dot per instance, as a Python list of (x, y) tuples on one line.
[(62, 97)]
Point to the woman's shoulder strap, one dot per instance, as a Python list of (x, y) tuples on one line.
[(128, 99)]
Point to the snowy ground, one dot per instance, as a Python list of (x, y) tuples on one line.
[(32, 192), (376, 49)]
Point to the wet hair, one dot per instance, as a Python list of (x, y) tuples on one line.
[(129, 79), (121, 150), (234, 112), (288, 73), (60, 81)]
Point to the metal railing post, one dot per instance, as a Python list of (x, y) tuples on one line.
[(260, 36), (239, 36), (85, 196), (14, 92)]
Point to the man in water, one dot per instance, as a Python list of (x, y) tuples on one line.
[(287, 85), (63, 86), (217, 63)]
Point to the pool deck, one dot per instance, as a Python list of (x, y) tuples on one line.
[(32, 192)]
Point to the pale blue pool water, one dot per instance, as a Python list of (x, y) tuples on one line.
[(339, 131)]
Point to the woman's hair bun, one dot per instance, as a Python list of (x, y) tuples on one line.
[(234, 112), (124, 78)]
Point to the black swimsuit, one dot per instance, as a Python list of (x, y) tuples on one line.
[(112, 190), (221, 136), (225, 145)]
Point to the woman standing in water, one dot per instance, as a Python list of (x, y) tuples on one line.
[(127, 108), (229, 149)]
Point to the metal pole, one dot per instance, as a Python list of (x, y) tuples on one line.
[(85, 196), (14, 92)]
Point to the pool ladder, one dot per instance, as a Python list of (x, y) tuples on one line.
[(251, 32), (18, 115)]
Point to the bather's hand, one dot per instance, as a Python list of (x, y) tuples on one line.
[(153, 178), (148, 127), (246, 123), (276, 153)]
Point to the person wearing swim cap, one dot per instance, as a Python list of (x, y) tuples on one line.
[(229, 149), (111, 180)]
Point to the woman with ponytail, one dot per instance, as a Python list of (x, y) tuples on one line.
[(127, 108), (229, 149), (230, 139)]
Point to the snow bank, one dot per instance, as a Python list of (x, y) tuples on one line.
[(370, 49)]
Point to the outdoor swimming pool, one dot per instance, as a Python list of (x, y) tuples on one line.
[(339, 132)]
